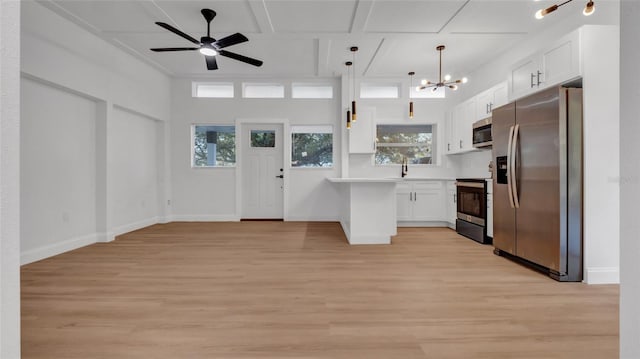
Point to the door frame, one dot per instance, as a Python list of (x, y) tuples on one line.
[(241, 124)]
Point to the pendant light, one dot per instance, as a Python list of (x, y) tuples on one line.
[(354, 117), (411, 90), (442, 82), (348, 64), (588, 9)]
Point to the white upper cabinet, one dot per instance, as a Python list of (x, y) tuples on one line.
[(488, 100), (362, 135), (458, 128), (553, 65)]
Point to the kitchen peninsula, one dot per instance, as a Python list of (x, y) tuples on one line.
[(367, 209)]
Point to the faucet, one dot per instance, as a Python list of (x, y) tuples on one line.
[(405, 167)]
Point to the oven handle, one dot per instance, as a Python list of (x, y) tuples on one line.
[(514, 180), (509, 167)]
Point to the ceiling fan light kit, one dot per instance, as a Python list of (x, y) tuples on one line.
[(589, 8), (442, 82), (208, 46)]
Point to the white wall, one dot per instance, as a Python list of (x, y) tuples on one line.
[(630, 181), (94, 142), (9, 179), (58, 170), (133, 162), (209, 193)]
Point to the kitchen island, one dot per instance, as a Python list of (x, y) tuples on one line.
[(367, 209)]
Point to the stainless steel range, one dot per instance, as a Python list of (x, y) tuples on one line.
[(472, 209)]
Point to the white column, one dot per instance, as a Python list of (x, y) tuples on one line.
[(9, 179), (629, 180)]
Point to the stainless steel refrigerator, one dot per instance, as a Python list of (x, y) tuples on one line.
[(537, 184)]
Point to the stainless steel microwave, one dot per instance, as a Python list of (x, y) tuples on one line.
[(482, 133)]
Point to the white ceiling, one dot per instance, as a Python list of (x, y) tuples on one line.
[(308, 38)]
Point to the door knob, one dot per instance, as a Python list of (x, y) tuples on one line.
[(281, 176)]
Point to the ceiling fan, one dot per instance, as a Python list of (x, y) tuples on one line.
[(209, 46)]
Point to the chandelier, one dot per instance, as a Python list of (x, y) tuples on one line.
[(588, 9), (442, 82)]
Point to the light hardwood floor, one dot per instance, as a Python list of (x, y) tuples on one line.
[(297, 290)]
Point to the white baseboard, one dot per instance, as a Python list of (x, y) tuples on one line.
[(602, 275), (34, 255), (204, 218), (126, 228), (311, 219)]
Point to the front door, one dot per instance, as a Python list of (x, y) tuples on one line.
[(262, 171)]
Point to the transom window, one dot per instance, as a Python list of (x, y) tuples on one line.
[(416, 143)]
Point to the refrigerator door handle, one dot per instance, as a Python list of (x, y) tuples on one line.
[(514, 180), (509, 180)]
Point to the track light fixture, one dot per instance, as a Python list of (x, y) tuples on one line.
[(442, 82), (588, 9)]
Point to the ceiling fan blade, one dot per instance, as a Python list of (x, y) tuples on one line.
[(230, 40), (242, 58), (212, 64), (177, 32), (174, 49)]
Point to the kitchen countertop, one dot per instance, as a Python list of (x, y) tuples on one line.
[(385, 179)]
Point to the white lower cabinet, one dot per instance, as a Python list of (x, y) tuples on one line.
[(452, 204), (419, 201)]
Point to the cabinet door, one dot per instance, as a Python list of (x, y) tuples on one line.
[(363, 132), (429, 202), (483, 104), (452, 204), (500, 96), (465, 131), (561, 62), (523, 77), (404, 202), (449, 131)]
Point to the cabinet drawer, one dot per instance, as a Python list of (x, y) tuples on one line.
[(403, 187), (421, 186)]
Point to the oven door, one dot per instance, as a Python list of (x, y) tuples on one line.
[(472, 205)]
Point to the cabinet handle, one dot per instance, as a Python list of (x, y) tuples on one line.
[(539, 73), (490, 107), (415, 196), (410, 198), (448, 147), (460, 143), (532, 76), (486, 109)]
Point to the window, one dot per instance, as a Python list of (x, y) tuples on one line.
[(311, 90), (378, 90), (262, 90), (311, 146), (263, 138), (395, 142), (214, 146), (212, 89), (428, 93)]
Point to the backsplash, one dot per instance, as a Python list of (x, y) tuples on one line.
[(471, 165)]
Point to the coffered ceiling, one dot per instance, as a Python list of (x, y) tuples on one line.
[(309, 38)]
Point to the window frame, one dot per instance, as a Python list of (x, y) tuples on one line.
[(312, 84), (333, 152), (195, 84), (193, 145), (434, 144), (264, 84)]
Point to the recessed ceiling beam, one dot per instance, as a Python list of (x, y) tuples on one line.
[(453, 16), (261, 15), (361, 16)]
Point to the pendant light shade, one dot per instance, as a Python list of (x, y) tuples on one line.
[(354, 116), (410, 90), (348, 64), (588, 9)]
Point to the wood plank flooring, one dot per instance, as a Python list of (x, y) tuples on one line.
[(298, 290)]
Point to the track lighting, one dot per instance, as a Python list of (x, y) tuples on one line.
[(442, 82), (588, 9)]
